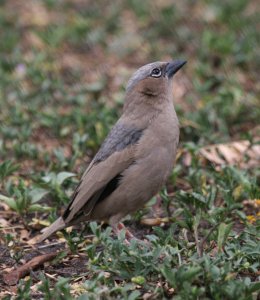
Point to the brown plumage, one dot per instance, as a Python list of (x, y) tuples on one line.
[(137, 156)]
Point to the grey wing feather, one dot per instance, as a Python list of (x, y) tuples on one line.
[(118, 139), (114, 156)]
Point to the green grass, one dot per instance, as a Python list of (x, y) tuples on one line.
[(62, 76)]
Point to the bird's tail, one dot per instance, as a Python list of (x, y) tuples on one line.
[(57, 225)]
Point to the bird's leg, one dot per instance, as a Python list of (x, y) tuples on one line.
[(129, 236), (118, 226), (157, 207)]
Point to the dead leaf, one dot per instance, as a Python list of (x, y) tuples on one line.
[(38, 224), (212, 155), (4, 206), (241, 153), (154, 221), (252, 202), (4, 223), (24, 234)]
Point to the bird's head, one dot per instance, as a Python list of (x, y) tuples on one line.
[(154, 79)]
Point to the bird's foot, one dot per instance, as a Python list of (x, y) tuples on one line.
[(128, 233), (129, 236)]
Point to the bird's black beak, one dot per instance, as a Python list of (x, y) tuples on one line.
[(173, 67)]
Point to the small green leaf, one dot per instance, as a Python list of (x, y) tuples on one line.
[(38, 207), (62, 176), (7, 168), (93, 227), (62, 281), (223, 232), (140, 280), (169, 275), (50, 177), (199, 197), (37, 194), (190, 273), (9, 201), (134, 295), (254, 287)]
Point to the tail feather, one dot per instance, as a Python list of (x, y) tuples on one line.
[(57, 225)]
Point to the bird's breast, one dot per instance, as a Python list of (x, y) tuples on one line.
[(160, 140)]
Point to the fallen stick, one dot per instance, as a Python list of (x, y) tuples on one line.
[(13, 276)]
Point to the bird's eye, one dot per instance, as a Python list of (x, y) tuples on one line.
[(156, 72)]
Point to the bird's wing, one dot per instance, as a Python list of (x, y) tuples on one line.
[(103, 173)]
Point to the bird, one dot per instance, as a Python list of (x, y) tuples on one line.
[(136, 157)]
